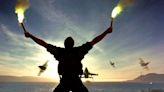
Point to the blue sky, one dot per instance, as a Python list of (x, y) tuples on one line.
[(137, 32)]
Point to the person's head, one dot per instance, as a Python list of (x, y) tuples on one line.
[(69, 43)]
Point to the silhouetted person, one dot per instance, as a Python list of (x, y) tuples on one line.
[(70, 66)]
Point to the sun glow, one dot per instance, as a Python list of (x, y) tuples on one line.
[(51, 71)]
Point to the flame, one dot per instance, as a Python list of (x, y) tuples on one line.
[(20, 8), (120, 6), (117, 10)]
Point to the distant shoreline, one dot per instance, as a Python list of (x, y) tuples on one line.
[(148, 78)]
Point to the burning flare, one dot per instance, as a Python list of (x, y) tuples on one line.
[(120, 6), (117, 10), (20, 8)]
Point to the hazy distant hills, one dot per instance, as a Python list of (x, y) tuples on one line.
[(151, 77), (4, 78)]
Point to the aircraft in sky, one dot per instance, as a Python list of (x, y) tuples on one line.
[(144, 64), (112, 64), (43, 68), (87, 74)]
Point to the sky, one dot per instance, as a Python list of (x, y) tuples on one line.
[(137, 33)]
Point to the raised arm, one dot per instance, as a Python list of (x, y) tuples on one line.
[(37, 40), (101, 36)]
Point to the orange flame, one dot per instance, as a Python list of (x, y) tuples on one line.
[(20, 8)]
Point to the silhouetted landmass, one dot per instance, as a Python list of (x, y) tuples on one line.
[(4, 78), (149, 78)]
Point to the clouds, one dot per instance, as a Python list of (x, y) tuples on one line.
[(135, 34), (60, 25), (56, 23), (13, 54), (12, 37), (20, 56), (129, 40)]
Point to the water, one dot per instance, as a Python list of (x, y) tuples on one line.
[(92, 87)]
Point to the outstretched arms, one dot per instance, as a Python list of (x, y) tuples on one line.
[(93, 42), (101, 36), (37, 40)]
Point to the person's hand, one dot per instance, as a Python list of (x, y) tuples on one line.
[(110, 29), (27, 34)]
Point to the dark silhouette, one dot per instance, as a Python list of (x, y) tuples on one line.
[(144, 64), (70, 66), (42, 68), (88, 74), (112, 64)]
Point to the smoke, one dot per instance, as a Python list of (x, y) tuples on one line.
[(126, 3), (23, 4), (120, 7)]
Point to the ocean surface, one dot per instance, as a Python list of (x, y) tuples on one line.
[(92, 87)]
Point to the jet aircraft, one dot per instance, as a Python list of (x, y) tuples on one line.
[(144, 64), (112, 64), (87, 74), (43, 68)]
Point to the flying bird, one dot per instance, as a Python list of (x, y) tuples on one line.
[(87, 74), (144, 64), (43, 68)]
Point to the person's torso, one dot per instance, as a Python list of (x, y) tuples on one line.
[(70, 62)]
